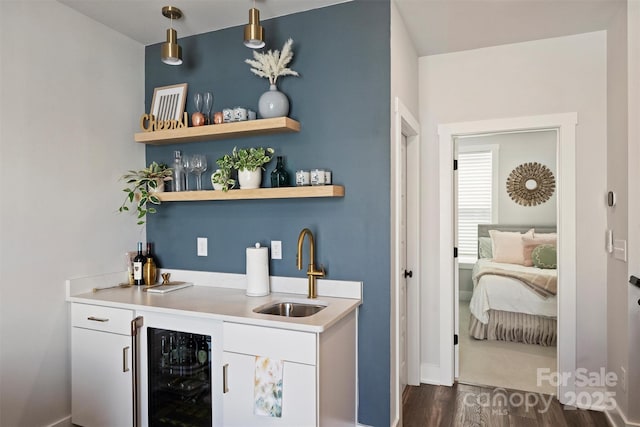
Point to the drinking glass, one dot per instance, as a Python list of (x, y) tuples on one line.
[(186, 164), (198, 165), (197, 101), (208, 103)]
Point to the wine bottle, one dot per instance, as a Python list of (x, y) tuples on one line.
[(150, 268), (138, 263), (279, 176), (179, 176)]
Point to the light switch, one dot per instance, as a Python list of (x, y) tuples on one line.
[(276, 249), (202, 246), (620, 250)]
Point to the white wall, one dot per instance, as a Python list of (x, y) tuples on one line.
[(514, 150), (623, 315), (566, 74), (72, 93), (633, 49), (404, 85)]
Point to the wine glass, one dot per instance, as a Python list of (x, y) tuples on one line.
[(197, 102), (198, 165), (186, 164), (208, 103)]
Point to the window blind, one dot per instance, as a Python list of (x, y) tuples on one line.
[(475, 188)]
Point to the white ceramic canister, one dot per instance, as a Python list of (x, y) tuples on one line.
[(302, 178), (317, 176)]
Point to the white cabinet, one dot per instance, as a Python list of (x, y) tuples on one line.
[(101, 358), (318, 376), (296, 350)]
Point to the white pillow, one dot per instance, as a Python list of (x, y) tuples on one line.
[(508, 246)]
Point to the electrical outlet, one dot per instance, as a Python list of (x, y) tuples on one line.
[(623, 379), (276, 249), (202, 246)]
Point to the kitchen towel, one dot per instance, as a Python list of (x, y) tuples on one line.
[(257, 271), (267, 389)]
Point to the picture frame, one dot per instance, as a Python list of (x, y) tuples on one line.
[(168, 102)]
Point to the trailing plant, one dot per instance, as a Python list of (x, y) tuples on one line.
[(222, 176), (141, 187), (273, 64)]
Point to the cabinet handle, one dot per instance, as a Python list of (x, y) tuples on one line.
[(97, 319), (225, 383), (125, 358)]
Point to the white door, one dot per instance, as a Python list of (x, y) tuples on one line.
[(101, 380), (402, 306), (298, 398)]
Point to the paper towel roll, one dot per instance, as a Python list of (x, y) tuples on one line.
[(257, 271)]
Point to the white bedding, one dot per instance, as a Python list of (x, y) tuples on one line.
[(506, 294)]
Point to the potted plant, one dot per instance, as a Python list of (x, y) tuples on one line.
[(141, 186), (221, 178), (249, 162), (272, 65)]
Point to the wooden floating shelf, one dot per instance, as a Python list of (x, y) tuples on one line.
[(221, 131), (259, 193)]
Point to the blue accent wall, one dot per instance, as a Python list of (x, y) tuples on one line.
[(342, 101)]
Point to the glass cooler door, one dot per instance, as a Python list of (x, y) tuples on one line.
[(179, 378)]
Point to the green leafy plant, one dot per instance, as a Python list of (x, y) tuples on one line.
[(141, 186), (222, 176), (251, 158)]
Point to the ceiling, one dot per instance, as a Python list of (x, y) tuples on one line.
[(436, 26)]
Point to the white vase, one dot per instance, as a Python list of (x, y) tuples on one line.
[(273, 103), (249, 179)]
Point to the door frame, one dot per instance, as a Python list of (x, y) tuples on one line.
[(565, 124), (405, 124)]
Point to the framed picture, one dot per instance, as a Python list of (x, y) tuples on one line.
[(168, 102)]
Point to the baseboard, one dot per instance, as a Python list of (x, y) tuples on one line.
[(64, 422), (430, 374), (617, 418), (595, 402)]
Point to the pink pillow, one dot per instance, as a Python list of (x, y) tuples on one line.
[(508, 246), (538, 239)]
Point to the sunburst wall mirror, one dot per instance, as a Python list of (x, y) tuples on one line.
[(531, 184)]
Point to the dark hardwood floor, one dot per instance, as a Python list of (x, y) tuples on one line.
[(467, 405)]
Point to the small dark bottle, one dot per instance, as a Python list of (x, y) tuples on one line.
[(280, 176), (138, 263)]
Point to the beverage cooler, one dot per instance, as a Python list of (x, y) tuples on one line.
[(179, 380)]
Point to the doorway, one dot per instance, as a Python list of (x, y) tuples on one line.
[(565, 124), (510, 360)]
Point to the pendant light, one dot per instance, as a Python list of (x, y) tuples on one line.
[(253, 31), (171, 52)]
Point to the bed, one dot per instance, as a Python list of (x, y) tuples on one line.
[(511, 301)]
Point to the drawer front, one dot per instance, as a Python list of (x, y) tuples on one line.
[(107, 319), (294, 346)]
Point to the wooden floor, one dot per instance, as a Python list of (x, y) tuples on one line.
[(466, 405)]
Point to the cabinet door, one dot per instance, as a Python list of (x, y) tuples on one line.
[(101, 387), (298, 394)]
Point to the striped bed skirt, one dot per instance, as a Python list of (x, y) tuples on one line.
[(515, 327)]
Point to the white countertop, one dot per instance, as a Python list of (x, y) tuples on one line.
[(221, 296)]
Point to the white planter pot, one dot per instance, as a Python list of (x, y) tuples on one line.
[(159, 188), (249, 179)]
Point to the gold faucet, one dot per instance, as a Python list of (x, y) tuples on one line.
[(311, 271)]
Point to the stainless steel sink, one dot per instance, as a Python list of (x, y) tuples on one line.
[(290, 309)]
